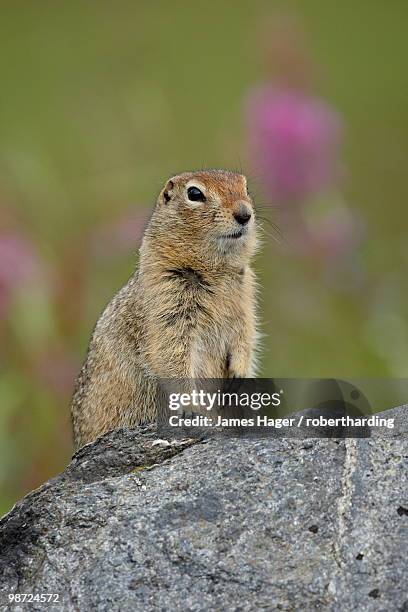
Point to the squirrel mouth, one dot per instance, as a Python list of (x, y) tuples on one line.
[(234, 235)]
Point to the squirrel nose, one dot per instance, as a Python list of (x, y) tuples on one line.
[(242, 214)]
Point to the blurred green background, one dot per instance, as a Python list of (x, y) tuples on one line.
[(101, 101)]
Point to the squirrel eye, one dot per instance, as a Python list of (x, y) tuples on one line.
[(195, 195)]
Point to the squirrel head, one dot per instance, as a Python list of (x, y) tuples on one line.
[(204, 217)]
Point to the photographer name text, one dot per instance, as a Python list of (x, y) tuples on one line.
[(279, 423)]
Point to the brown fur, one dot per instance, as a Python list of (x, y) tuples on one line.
[(188, 311)]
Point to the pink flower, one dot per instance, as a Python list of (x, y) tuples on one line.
[(294, 141), (57, 370), (337, 234), (121, 236), (18, 265)]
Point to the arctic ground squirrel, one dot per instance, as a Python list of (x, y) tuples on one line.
[(188, 311)]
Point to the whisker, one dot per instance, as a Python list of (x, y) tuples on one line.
[(268, 206), (273, 231)]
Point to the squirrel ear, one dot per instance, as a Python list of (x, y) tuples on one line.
[(167, 192)]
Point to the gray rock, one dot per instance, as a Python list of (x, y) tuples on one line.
[(220, 523)]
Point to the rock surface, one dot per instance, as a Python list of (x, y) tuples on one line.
[(216, 524)]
